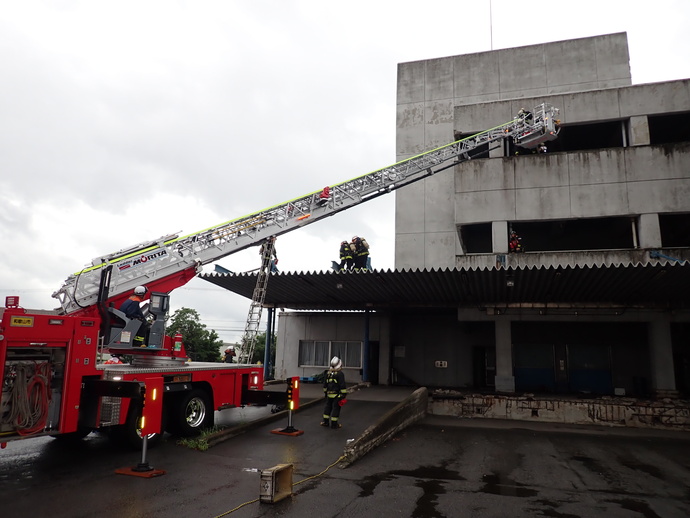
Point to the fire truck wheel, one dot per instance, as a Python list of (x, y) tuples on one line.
[(192, 413), (74, 436), (130, 434)]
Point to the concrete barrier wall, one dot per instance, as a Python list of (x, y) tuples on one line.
[(404, 414), (626, 412)]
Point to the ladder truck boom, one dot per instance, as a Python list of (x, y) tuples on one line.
[(172, 260)]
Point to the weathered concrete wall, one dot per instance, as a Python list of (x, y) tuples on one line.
[(625, 102), (489, 88), (665, 413), (423, 340), (428, 95), (607, 182), (404, 414), (293, 327)]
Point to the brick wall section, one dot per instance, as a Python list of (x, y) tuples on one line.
[(404, 414), (667, 413)]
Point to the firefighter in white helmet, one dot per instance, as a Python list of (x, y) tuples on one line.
[(335, 391), (132, 310)]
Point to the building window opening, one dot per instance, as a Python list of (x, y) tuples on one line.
[(670, 128), (478, 152), (577, 234), (476, 239), (674, 230), (314, 353), (580, 137)]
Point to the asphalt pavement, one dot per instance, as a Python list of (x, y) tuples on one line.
[(439, 467)]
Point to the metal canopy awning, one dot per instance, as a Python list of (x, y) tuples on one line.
[(650, 285)]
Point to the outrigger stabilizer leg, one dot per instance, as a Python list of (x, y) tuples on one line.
[(143, 469)]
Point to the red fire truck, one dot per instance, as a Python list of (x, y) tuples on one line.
[(54, 381)]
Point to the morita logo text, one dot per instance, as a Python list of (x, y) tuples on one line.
[(155, 254)]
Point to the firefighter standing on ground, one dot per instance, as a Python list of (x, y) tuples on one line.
[(335, 391)]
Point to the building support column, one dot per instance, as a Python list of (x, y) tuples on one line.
[(499, 237), (661, 351), (504, 380), (639, 131), (270, 322), (366, 352), (649, 231)]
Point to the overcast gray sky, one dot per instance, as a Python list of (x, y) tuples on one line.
[(125, 121)]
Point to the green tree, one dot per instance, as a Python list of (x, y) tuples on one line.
[(201, 344)]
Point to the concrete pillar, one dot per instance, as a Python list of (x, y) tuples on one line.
[(366, 353), (270, 322), (504, 380), (649, 231), (638, 133), (661, 351), (499, 237)]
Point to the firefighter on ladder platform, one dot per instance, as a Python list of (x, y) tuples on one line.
[(132, 310), (335, 390)]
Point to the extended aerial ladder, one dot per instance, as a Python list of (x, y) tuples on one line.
[(171, 261)]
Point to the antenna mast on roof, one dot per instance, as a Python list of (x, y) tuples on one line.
[(491, 26)]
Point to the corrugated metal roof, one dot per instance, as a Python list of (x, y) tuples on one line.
[(648, 285)]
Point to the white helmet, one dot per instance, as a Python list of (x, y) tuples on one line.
[(140, 290), (336, 363)]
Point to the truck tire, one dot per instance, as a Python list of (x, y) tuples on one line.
[(129, 433), (191, 413), (74, 436)]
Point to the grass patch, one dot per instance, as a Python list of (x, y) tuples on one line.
[(199, 442)]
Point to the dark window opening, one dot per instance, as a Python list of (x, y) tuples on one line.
[(666, 129), (577, 234), (476, 239), (675, 230), (479, 152), (580, 137)]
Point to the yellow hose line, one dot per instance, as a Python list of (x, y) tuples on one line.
[(293, 485)]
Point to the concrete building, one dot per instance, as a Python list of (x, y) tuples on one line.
[(614, 186), (595, 304)]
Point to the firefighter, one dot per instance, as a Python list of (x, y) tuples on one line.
[(514, 243), (360, 249), (335, 391), (132, 310), (325, 196), (265, 253), (526, 115), (346, 260)]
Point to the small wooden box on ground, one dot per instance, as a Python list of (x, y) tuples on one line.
[(276, 483)]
